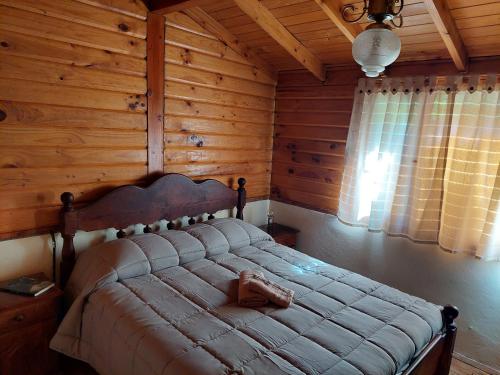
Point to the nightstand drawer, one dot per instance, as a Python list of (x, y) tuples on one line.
[(26, 351), (23, 316)]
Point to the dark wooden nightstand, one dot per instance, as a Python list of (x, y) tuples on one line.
[(282, 234), (26, 326)]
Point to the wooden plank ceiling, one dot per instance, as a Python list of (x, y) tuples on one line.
[(478, 24)]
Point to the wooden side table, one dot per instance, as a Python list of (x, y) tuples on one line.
[(282, 234), (27, 325)]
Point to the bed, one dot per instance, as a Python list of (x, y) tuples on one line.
[(165, 301)]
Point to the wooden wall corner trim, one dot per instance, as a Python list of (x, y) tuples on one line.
[(155, 94), (441, 15), (266, 20), (225, 36)]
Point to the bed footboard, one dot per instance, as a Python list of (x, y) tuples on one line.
[(435, 359)]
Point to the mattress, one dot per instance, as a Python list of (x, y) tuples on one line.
[(165, 303)]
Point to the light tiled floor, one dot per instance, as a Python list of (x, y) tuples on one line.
[(461, 368), (457, 368)]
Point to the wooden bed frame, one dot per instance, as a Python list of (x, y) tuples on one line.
[(173, 196)]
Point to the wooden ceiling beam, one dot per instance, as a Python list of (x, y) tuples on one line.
[(225, 36), (332, 9), (170, 6), (266, 20), (441, 15)]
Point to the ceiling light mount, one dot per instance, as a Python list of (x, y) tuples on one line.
[(378, 11), (377, 46)]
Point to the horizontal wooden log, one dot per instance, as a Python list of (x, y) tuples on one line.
[(311, 159), (43, 93), (200, 156), (51, 195), (228, 142), (304, 145), (334, 76), (284, 182), (83, 14), (304, 199), (213, 111), (67, 138), (23, 157), (14, 221), (72, 85), (236, 168), (314, 105), (28, 178), (311, 128), (320, 174), (21, 68), (62, 52), (183, 91), (209, 126), (322, 92), (314, 118), (55, 29), (320, 133), (217, 80), (43, 115), (185, 56)]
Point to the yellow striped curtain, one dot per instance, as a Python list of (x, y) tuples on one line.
[(470, 219), (422, 161)]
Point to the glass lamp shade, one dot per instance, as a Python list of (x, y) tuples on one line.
[(374, 49)]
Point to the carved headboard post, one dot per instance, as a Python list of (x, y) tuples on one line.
[(242, 198), (68, 250)]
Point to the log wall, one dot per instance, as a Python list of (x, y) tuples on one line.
[(73, 107), (311, 126), (218, 109), (72, 85)]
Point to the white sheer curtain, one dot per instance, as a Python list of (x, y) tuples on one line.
[(411, 143), (471, 213)]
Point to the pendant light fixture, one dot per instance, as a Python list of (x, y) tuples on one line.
[(377, 46)]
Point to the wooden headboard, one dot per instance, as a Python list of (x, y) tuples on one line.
[(168, 198)]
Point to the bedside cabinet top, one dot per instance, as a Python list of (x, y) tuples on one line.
[(278, 229), (10, 301)]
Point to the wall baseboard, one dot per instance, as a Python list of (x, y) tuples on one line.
[(476, 364)]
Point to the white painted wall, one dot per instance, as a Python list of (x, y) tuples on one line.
[(34, 254), (423, 270)]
